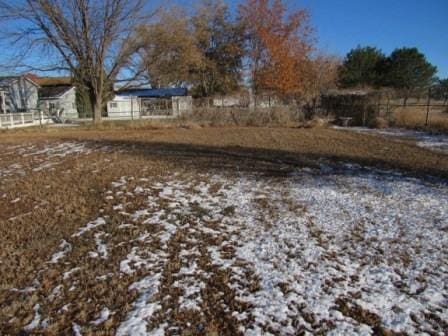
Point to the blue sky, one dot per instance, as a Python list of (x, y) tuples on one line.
[(343, 24), (386, 24)]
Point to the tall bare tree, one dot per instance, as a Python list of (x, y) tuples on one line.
[(92, 39), (321, 74)]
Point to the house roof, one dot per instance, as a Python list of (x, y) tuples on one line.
[(52, 81), (153, 93), (55, 91), (7, 81)]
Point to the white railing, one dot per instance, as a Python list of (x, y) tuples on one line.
[(12, 120)]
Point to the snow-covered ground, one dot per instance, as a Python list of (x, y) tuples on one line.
[(436, 142), (344, 252), (40, 157)]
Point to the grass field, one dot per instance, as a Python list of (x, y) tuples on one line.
[(221, 231), (415, 117)]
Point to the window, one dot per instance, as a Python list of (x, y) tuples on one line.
[(157, 106), (51, 106), (113, 105)]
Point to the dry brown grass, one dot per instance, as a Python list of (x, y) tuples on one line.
[(71, 198), (415, 117), (295, 146), (57, 203), (285, 116), (53, 205)]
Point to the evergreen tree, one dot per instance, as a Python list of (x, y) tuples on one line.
[(363, 66)]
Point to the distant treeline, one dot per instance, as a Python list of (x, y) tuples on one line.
[(405, 69)]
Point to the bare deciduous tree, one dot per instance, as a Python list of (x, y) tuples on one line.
[(220, 39), (203, 51), (321, 74), (92, 39), (169, 54)]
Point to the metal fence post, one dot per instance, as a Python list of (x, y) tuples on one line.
[(378, 111), (364, 115), (387, 109), (428, 102), (132, 108), (139, 104)]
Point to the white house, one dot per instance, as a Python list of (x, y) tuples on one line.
[(59, 99), (18, 94), (140, 103)]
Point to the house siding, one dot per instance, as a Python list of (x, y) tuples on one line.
[(21, 95), (124, 107), (133, 107), (182, 105), (67, 102)]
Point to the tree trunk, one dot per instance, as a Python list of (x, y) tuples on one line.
[(96, 101), (97, 110)]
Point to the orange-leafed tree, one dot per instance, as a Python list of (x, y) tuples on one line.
[(279, 44)]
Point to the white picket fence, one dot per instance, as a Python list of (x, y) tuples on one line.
[(14, 120)]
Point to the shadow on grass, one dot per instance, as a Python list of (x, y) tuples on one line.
[(269, 162)]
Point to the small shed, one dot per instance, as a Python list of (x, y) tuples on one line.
[(140, 103), (356, 105)]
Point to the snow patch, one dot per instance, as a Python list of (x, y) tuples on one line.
[(136, 322), (90, 226), (103, 316), (36, 320), (64, 248)]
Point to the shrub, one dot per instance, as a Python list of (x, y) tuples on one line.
[(379, 123), (275, 116)]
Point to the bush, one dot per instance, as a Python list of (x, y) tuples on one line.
[(217, 117), (317, 122), (379, 123)]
